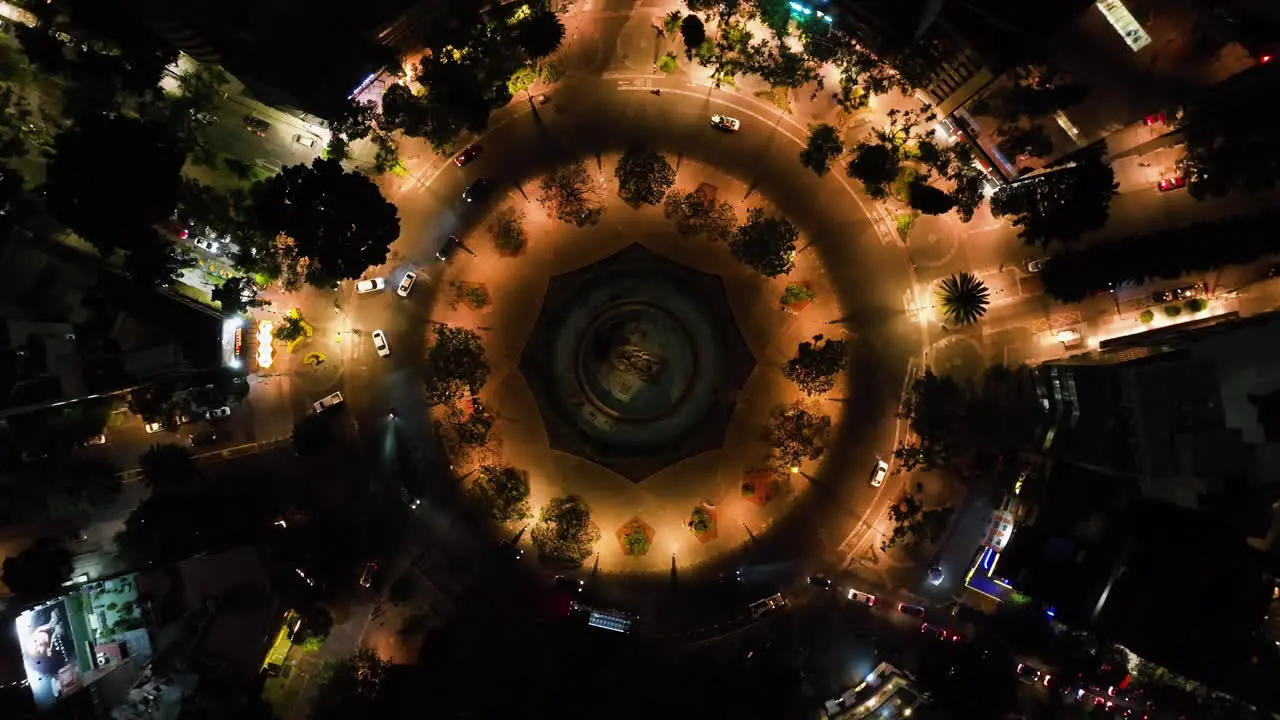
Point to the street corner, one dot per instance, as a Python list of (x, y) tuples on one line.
[(958, 356)]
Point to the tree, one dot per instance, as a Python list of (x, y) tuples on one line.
[(935, 409), (928, 199), (507, 230), (964, 298), (693, 33), (569, 195), (355, 120), (913, 524), (644, 176), (816, 364), (697, 213), (351, 688), (237, 294), (112, 178), (504, 491), (16, 124), (387, 157), (565, 530), (455, 365), (1222, 153), (338, 221), (88, 483), (1062, 204), (824, 146), (201, 89), (636, 541), (539, 35), (967, 194), (39, 570), (1030, 141), (795, 433), (314, 434), (291, 327), (765, 244), (153, 261), (876, 166), (474, 430), (168, 468)]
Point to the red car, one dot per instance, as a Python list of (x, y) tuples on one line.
[(1171, 183), (1161, 118), (470, 153)]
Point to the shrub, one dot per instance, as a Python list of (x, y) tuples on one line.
[(1172, 310), (701, 520), (1195, 305), (1146, 316), (797, 293), (636, 542)]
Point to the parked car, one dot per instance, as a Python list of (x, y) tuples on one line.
[(878, 473), (1034, 675), (306, 140), (478, 190), (862, 597), (216, 413), (328, 401), (773, 602), (370, 285), (1171, 183), (821, 581), (210, 246), (724, 122), (936, 576), (937, 632), (564, 582), (406, 284), (153, 427), (380, 343), (451, 244), (99, 439), (256, 125), (471, 152), (911, 610), (1035, 266)]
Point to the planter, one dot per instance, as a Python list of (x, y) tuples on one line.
[(703, 523), (635, 537), (796, 297), (759, 486)]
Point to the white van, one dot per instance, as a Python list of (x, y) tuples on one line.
[(327, 402)]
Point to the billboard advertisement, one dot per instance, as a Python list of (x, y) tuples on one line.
[(49, 652)]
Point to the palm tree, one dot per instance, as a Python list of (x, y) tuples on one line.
[(964, 298), (539, 35)]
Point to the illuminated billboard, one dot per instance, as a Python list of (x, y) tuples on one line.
[(50, 653)]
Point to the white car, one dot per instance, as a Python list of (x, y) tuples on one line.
[(218, 413), (773, 602), (406, 284), (306, 140), (860, 597), (99, 439), (724, 122), (371, 285), (210, 246), (327, 402), (877, 475), (1035, 266), (153, 427), (380, 343)]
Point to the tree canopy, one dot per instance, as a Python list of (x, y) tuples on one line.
[(338, 221), (539, 35), (569, 194), (455, 365), (1062, 204), (504, 492), (168, 467), (644, 176), (351, 688), (876, 166), (565, 530), (765, 243), (816, 364), (697, 213), (113, 178), (964, 298), (913, 524), (1224, 154), (237, 294), (795, 433), (823, 147), (39, 570)]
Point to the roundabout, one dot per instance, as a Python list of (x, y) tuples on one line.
[(557, 412)]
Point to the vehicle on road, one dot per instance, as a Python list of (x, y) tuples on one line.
[(153, 427), (478, 190), (773, 602), (204, 118), (371, 285), (204, 437), (216, 413), (724, 122), (256, 125), (878, 473), (1172, 182), (306, 140), (821, 581), (99, 439), (861, 597), (571, 584), (328, 401), (940, 633), (471, 152), (1034, 675), (911, 610), (406, 284), (210, 246), (370, 572), (936, 576), (1035, 266), (380, 343), (451, 244)]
